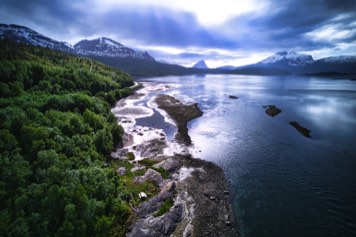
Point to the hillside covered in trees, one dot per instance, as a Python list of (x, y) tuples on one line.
[(56, 134)]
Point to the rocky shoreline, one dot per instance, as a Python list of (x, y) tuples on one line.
[(193, 198)]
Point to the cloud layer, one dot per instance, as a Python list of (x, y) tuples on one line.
[(185, 31)]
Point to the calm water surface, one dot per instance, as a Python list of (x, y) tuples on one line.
[(282, 183)]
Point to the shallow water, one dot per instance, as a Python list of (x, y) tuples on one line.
[(282, 183), (157, 121)]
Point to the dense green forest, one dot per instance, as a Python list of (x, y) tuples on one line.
[(56, 134)]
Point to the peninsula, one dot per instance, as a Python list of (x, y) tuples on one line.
[(189, 201)]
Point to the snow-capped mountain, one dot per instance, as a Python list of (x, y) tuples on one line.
[(105, 47), (101, 47), (25, 35), (289, 58), (200, 65), (296, 63), (117, 55)]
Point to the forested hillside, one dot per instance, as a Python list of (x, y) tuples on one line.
[(56, 131)]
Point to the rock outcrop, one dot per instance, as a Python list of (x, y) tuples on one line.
[(150, 175), (201, 204), (180, 113)]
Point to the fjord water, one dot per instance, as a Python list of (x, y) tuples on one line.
[(282, 184)]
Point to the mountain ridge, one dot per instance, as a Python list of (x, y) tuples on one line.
[(102, 46), (291, 58), (298, 63), (107, 47), (138, 63), (339, 59), (22, 34)]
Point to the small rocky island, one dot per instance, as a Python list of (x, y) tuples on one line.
[(302, 130), (272, 110), (185, 196)]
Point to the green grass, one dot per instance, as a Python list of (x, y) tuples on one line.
[(148, 162), (131, 156), (167, 204), (165, 174)]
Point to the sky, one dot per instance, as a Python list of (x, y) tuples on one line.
[(223, 32)]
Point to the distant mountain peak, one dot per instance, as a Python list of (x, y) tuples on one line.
[(291, 58), (106, 47), (201, 65)]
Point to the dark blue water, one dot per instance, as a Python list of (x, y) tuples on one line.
[(283, 183)]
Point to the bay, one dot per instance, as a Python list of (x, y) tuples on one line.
[(282, 183)]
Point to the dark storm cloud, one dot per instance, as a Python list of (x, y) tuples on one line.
[(56, 15), (287, 23), (161, 27), (150, 25), (304, 16), (284, 25)]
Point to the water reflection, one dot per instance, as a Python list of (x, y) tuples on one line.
[(284, 183), (331, 111)]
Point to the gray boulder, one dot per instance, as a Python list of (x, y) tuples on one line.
[(150, 175), (169, 164), (121, 171), (137, 168), (158, 226), (151, 148), (153, 204)]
